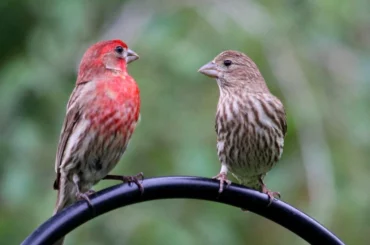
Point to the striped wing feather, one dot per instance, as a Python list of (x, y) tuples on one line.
[(72, 118)]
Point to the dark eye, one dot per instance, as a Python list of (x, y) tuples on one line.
[(119, 49), (227, 62)]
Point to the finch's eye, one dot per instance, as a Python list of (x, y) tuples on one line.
[(119, 49), (227, 62)]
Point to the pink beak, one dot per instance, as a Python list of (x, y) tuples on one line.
[(210, 69), (131, 56)]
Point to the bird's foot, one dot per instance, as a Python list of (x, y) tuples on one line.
[(129, 179), (90, 192), (85, 196), (222, 177), (271, 194)]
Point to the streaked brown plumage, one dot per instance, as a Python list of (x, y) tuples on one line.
[(250, 121)]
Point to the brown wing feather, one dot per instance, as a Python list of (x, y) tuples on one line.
[(280, 110), (72, 117), (283, 119), (285, 125)]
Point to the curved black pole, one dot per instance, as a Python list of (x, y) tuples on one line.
[(181, 187)]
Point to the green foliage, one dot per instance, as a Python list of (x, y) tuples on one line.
[(314, 55)]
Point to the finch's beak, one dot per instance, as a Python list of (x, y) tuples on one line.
[(131, 56), (210, 70)]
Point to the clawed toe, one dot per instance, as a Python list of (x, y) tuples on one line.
[(223, 179), (272, 195), (90, 192), (129, 179), (85, 196), (135, 179)]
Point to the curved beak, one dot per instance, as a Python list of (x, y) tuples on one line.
[(131, 56), (210, 69)]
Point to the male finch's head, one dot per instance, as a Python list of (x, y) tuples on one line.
[(106, 55), (233, 69)]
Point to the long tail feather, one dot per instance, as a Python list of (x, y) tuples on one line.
[(63, 200)]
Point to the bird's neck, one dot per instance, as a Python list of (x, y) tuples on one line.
[(241, 89), (89, 73)]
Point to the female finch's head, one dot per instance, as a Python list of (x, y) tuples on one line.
[(233, 69), (105, 55)]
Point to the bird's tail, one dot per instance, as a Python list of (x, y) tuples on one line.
[(252, 182), (59, 242), (63, 200)]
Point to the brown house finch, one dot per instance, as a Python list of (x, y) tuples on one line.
[(102, 113), (250, 121)]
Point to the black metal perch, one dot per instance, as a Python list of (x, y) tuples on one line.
[(181, 187)]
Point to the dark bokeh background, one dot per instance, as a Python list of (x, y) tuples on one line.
[(314, 55)]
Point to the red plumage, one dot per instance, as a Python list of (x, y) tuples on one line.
[(102, 114)]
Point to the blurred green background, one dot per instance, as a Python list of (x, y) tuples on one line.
[(314, 55)]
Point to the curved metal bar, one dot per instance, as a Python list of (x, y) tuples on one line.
[(181, 187)]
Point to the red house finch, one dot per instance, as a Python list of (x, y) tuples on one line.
[(102, 113), (250, 121)]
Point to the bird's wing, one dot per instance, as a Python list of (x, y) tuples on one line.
[(281, 116), (73, 116), (285, 125), (278, 112)]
